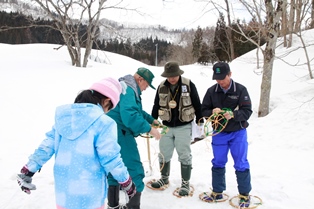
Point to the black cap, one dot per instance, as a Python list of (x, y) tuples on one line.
[(221, 69)]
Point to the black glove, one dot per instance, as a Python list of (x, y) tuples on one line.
[(24, 179), (129, 187)]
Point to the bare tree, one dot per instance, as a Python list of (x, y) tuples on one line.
[(308, 61), (271, 31), (70, 17), (304, 9), (182, 51), (273, 10), (180, 54), (256, 9)]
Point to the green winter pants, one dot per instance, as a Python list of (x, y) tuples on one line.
[(178, 138)]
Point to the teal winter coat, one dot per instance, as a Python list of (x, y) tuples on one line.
[(84, 142), (132, 120)]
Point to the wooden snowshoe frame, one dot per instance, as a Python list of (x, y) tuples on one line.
[(215, 124), (149, 185), (255, 201)]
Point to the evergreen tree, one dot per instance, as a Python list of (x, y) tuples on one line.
[(197, 42), (204, 57), (221, 46)]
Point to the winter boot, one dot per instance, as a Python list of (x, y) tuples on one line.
[(113, 197), (135, 201), (244, 200), (213, 197), (164, 180), (185, 184), (216, 196)]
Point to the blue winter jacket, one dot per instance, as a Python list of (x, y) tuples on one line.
[(84, 142)]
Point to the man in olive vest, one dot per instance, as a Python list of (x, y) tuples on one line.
[(177, 104)]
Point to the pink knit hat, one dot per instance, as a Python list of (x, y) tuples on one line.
[(110, 88)]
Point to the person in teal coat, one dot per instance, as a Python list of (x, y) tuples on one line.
[(84, 142), (132, 120)]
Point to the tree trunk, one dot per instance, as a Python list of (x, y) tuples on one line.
[(62, 13), (308, 61), (312, 15), (291, 22), (284, 24), (298, 7), (273, 19), (229, 32)]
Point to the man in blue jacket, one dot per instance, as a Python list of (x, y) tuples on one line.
[(234, 96), (132, 120)]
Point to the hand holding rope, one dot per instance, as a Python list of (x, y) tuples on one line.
[(161, 128), (218, 121)]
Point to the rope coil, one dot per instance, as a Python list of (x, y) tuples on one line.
[(217, 122)]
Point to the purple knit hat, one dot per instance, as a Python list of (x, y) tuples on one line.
[(110, 88)]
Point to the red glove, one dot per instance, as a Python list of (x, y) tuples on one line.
[(24, 179)]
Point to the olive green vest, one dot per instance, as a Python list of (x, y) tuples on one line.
[(186, 110)]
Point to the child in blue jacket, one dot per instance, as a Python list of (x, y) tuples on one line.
[(84, 143)]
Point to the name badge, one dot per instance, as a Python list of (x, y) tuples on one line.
[(161, 112)]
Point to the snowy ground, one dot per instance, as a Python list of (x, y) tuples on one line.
[(35, 79)]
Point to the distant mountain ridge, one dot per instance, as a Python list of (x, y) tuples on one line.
[(109, 29)]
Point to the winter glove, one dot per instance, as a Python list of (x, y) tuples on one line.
[(129, 187), (24, 179)]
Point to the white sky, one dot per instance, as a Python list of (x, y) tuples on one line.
[(35, 79), (173, 14), (170, 13)]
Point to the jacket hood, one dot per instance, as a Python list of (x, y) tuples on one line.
[(130, 81), (72, 120)]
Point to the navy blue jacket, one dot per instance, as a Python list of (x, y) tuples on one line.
[(236, 98)]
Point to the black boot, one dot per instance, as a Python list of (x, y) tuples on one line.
[(164, 180), (113, 197), (186, 175), (135, 201)]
